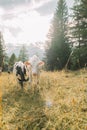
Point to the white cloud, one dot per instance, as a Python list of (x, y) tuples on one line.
[(8, 37), (27, 24), (1, 11), (23, 24), (33, 26), (38, 3)]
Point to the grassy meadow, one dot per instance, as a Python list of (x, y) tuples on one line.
[(59, 102)]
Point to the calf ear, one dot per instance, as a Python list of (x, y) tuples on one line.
[(41, 63), (27, 63)]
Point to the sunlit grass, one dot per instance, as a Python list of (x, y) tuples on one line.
[(59, 104)]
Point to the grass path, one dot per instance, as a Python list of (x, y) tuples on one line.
[(0, 104), (60, 103), (0, 107)]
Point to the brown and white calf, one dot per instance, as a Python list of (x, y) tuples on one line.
[(0, 70), (34, 66)]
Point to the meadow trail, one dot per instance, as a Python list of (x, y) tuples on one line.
[(58, 103)]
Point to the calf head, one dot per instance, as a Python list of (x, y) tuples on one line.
[(35, 66)]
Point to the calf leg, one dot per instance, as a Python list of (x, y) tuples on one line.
[(21, 83), (38, 76)]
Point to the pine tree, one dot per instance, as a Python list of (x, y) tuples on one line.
[(12, 59), (23, 54), (79, 29), (11, 62), (1, 50), (76, 28), (79, 33), (58, 50)]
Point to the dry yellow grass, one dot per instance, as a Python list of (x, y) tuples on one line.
[(60, 103)]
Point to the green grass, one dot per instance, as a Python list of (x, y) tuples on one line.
[(59, 102)]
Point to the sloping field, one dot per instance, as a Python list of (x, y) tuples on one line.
[(59, 102)]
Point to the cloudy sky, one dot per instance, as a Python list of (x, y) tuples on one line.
[(26, 21)]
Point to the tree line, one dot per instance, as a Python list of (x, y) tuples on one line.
[(7, 62), (67, 41), (66, 46)]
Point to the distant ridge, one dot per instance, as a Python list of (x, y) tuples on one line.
[(32, 49)]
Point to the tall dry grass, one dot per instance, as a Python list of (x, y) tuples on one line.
[(59, 102)]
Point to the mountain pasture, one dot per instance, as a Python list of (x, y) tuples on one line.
[(58, 102)]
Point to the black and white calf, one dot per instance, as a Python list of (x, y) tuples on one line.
[(19, 70)]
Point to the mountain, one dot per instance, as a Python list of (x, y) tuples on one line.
[(32, 49)]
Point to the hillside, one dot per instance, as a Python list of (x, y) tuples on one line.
[(32, 49), (59, 104)]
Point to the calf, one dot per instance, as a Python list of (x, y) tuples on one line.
[(33, 67), (0, 70), (20, 70)]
